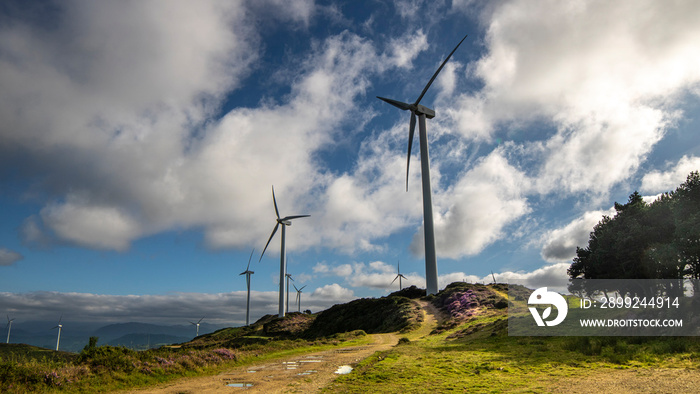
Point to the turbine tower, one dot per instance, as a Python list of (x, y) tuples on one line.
[(197, 324), (398, 275), (422, 112), (9, 327), (247, 274), (60, 327), (298, 296), (289, 276), (285, 221)]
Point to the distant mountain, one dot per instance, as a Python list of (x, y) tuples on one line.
[(146, 341), (76, 335)]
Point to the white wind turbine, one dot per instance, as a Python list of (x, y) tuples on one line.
[(247, 274), (431, 276), (398, 275), (289, 277), (285, 221), (197, 324), (60, 327), (9, 327), (298, 296)]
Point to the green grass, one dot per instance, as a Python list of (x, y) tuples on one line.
[(487, 360)]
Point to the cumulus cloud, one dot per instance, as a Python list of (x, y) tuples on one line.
[(603, 79), (333, 292), (480, 205), (669, 180), (174, 308), (376, 275), (553, 276), (115, 121), (9, 257), (560, 244)]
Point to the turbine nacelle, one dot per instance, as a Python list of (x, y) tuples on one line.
[(416, 109)]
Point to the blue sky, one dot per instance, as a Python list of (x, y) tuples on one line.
[(140, 141)]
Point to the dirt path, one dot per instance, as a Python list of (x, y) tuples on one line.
[(299, 374)]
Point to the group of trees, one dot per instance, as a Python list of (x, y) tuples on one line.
[(659, 240)]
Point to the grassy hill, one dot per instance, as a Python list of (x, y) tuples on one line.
[(468, 349)]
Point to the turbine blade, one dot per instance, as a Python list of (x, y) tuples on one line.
[(396, 103), (294, 217), (302, 287), (295, 287), (251, 256), (397, 277), (200, 320), (411, 131), (268, 241), (438, 72), (275, 202)]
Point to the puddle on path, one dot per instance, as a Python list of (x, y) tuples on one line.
[(240, 385), (344, 370), (309, 372)]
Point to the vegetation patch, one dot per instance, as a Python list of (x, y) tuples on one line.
[(372, 315)]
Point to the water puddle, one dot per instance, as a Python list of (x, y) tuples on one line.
[(240, 385), (251, 371), (344, 370), (311, 361), (309, 372)]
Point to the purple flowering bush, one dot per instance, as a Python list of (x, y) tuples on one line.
[(461, 304)]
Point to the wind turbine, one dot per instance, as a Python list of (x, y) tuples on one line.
[(285, 221), (197, 324), (298, 296), (398, 275), (247, 274), (422, 112), (9, 327), (493, 276), (60, 327), (289, 276)]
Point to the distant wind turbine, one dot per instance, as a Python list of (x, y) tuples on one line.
[(60, 327), (247, 274), (493, 276), (398, 275), (431, 275), (298, 296), (9, 327), (289, 277), (285, 221), (197, 324)]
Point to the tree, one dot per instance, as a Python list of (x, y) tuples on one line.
[(660, 240)]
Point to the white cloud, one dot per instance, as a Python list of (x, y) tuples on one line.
[(133, 145), (332, 293), (657, 181), (553, 276), (404, 49), (606, 78), (9, 257), (174, 308), (560, 244), (479, 206), (91, 226)]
